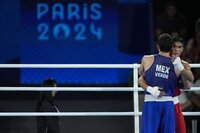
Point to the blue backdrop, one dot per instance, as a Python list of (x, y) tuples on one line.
[(75, 32)]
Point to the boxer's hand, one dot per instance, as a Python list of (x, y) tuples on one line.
[(154, 91), (177, 64)]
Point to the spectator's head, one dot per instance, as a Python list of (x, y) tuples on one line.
[(170, 9), (177, 45), (164, 43)]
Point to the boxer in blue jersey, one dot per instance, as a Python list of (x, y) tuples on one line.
[(160, 74), (186, 78)]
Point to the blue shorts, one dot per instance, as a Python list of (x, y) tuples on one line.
[(158, 117)]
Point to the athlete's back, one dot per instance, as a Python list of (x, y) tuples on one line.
[(161, 73)]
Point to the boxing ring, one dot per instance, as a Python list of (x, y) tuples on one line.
[(135, 89)]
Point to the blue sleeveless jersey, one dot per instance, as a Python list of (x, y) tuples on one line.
[(162, 74)]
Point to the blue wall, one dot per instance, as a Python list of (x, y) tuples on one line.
[(123, 38)]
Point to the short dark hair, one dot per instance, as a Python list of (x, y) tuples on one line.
[(177, 38), (165, 42), (50, 82)]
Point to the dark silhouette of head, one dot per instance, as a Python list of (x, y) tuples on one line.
[(165, 42), (48, 95), (49, 83), (170, 9)]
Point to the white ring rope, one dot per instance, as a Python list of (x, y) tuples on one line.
[(68, 88), (70, 114), (69, 65), (77, 65), (81, 89), (83, 114)]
